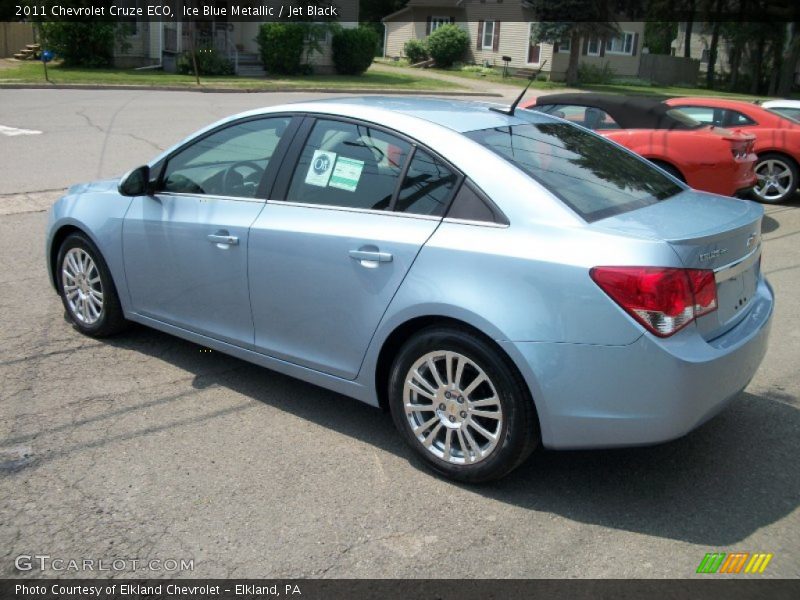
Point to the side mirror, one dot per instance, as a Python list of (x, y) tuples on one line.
[(136, 182)]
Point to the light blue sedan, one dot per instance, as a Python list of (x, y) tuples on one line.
[(497, 279)]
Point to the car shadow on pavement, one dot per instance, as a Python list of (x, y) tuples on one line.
[(714, 487)]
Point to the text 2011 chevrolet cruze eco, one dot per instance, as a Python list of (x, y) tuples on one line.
[(499, 280)]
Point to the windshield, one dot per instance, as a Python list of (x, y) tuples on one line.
[(594, 177)]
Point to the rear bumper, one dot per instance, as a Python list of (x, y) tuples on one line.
[(650, 391)]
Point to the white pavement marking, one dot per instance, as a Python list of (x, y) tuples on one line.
[(12, 131)]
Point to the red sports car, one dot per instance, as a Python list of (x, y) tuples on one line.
[(777, 140), (707, 158)]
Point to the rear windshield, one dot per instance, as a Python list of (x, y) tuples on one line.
[(592, 176)]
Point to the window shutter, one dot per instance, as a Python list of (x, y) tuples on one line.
[(635, 44), (428, 26), (452, 20), (555, 47), (496, 38), (585, 47), (479, 43), (602, 43)]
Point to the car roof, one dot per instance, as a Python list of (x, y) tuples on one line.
[(630, 112), (458, 115)]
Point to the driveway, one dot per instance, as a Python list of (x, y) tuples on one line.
[(144, 446)]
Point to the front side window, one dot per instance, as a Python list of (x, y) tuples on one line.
[(588, 116), (593, 47), (488, 35), (348, 165), (229, 162), (592, 176), (565, 45), (734, 118), (703, 114), (620, 44), (427, 187)]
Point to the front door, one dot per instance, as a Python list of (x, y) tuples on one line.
[(185, 247), (326, 262)]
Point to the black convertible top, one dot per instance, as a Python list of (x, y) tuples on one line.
[(630, 112)]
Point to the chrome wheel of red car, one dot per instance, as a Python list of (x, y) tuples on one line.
[(776, 178)]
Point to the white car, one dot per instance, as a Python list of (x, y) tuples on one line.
[(787, 108)]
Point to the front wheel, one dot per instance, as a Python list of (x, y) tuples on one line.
[(86, 288), (776, 178), (461, 406)]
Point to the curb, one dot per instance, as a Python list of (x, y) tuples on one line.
[(228, 90)]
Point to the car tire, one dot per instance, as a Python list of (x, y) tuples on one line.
[(669, 169), (473, 423), (87, 289), (777, 178)]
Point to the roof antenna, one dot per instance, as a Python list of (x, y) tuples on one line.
[(510, 110)]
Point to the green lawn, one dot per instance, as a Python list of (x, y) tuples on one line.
[(494, 77), (33, 72), (613, 88)]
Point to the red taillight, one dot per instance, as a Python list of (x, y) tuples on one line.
[(663, 299)]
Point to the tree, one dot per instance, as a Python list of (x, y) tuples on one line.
[(574, 31), (791, 55), (658, 36)]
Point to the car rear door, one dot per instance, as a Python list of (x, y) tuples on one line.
[(353, 208), (185, 247)]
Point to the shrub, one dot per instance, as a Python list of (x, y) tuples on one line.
[(416, 51), (595, 74), (209, 62), (353, 50), (281, 46), (447, 44), (81, 44)]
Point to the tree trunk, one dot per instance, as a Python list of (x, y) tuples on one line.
[(574, 57), (193, 52), (790, 58), (735, 63), (687, 40), (756, 59), (712, 55)]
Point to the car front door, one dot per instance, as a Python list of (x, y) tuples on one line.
[(185, 247), (328, 256)]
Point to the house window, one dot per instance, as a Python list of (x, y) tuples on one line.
[(437, 22), (593, 48), (621, 44), (565, 45), (487, 43)]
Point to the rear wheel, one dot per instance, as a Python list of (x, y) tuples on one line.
[(776, 178), (86, 288), (461, 406), (669, 169)]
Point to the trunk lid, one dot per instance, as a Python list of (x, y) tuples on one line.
[(706, 232)]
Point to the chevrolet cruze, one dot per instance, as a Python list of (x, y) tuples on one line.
[(497, 279)]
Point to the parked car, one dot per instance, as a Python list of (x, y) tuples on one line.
[(497, 282), (777, 140), (707, 158), (787, 108)]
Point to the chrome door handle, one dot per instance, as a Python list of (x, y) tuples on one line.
[(370, 255), (230, 240)]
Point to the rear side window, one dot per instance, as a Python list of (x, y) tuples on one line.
[(427, 187), (348, 165), (592, 176)]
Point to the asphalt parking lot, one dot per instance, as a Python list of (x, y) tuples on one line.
[(146, 447)]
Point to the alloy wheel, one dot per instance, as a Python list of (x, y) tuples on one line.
[(774, 180), (83, 289), (452, 407)]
